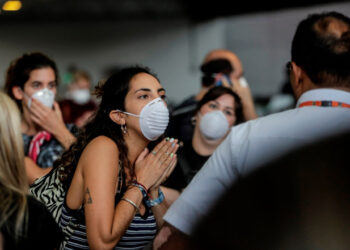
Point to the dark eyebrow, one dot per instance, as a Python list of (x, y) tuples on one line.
[(36, 81), (227, 107), (148, 90), (143, 89), (215, 101)]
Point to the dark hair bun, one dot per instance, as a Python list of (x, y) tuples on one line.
[(99, 90)]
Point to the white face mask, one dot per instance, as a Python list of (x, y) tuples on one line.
[(45, 96), (214, 125), (154, 119), (80, 96)]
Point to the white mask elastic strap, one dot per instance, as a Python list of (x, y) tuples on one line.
[(28, 97), (124, 112)]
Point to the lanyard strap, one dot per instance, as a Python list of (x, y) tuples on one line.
[(324, 104)]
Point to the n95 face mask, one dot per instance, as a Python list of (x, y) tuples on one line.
[(214, 125), (154, 119), (45, 96), (81, 96)]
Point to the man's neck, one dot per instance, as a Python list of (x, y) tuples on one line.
[(315, 87)]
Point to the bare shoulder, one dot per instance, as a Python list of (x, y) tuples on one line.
[(101, 151), (101, 144)]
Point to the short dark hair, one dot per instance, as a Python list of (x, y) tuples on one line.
[(321, 47), (218, 91), (19, 70), (212, 67)]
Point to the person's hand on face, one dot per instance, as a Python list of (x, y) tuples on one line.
[(38, 95), (49, 119)]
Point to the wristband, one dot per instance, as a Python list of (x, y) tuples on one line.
[(142, 189), (140, 184), (151, 203)]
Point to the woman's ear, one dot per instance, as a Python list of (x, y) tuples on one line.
[(17, 92), (117, 117)]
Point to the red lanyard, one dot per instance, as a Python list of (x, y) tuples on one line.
[(324, 104)]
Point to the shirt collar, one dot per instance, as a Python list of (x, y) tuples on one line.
[(325, 94)]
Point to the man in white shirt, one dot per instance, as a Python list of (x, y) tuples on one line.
[(320, 78)]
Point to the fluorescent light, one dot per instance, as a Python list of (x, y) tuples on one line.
[(12, 6)]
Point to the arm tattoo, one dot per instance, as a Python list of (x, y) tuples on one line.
[(88, 199)]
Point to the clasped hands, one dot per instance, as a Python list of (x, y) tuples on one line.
[(153, 168)]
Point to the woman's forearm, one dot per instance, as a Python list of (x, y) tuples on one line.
[(65, 137), (123, 215)]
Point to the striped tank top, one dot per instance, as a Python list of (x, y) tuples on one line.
[(140, 232)]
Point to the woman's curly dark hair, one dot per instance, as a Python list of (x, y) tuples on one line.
[(112, 94)]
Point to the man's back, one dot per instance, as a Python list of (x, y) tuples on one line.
[(254, 144), (320, 78), (299, 201)]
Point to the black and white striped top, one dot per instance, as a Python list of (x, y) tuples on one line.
[(140, 232)]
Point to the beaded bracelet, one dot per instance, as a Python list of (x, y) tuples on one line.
[(142, 189), (151, 203)]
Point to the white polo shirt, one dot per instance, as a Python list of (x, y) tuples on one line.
[(253, 144)]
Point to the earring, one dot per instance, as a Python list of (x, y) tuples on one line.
[(193, 120), (124, 128)]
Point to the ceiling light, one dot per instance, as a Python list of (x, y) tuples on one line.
[(12, 5)]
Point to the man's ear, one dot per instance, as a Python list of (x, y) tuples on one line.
[(297, 71), (17, 92), (297, 79), (117, 116)]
